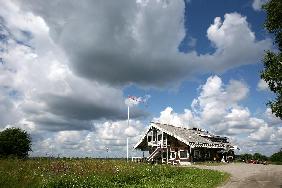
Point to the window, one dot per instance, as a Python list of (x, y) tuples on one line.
[(159, 137), (183, 154), (149, 138)]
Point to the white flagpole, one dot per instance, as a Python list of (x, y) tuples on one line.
[(127, 137)]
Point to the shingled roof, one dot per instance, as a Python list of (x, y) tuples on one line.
[(191, 137)]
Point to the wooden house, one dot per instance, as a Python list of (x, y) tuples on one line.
[(178, 145)]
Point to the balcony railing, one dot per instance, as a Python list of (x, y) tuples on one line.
[(162, 144)]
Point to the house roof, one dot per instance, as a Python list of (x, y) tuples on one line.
[(191, 137)]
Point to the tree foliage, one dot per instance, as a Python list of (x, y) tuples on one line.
[(272, 72), (14, 142), (260, 157), (245, 157), (255, 156), (277, 157)]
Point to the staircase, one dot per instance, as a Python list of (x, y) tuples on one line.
[(156, 152)]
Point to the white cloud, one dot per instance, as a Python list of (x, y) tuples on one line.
[(262, 85), (66, 62), (8, 110), (111, 135), (119, 129), (38, 85), (129, 36), (218, 109), (264, 133), (40, 93), (279, 133), (234, 42), (257, 4), (45, 72), (271, 118), (168, 116), (235, 120), (216, 99), (218, 31)]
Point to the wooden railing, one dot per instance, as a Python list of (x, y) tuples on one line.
[(150, 157)]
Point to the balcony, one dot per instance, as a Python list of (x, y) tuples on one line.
[(160, 143)]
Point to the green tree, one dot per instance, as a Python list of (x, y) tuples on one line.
[(277, 157), (260, 157), (272, 72), (246, 156), (14, 142)]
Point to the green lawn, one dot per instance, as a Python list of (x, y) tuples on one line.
[(102, 173)]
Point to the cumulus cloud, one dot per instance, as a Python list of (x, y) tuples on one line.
[(129, 36), (168, 116), (234, 120), (264, 133), (218, 109), (232, 38), (257, 4), (216, 99), (110, 135), (64, 65), (37, 84)]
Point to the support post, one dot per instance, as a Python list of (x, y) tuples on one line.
[(157, 138), (167, 155), (162, 156), (190, 153), (162, 142), (127, 137)]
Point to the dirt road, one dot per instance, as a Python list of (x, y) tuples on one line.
[(250, 175)]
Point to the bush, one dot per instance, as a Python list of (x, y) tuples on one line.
[(14, 142)]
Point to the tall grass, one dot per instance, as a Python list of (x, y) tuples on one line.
[(101, 173)]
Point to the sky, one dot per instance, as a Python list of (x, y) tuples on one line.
[(68, 67)]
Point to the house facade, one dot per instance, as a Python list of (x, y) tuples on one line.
[(178, 145)]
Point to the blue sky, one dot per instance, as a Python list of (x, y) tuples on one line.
[(205, 12), (69, 67), (199, 15)]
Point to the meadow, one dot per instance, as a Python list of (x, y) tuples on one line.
[(84, 173)]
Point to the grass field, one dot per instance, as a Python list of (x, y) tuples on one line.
[(101, 173)]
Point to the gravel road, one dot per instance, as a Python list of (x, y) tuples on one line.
[(250, 175)]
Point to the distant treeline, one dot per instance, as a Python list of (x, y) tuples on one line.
[(275, 158)]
